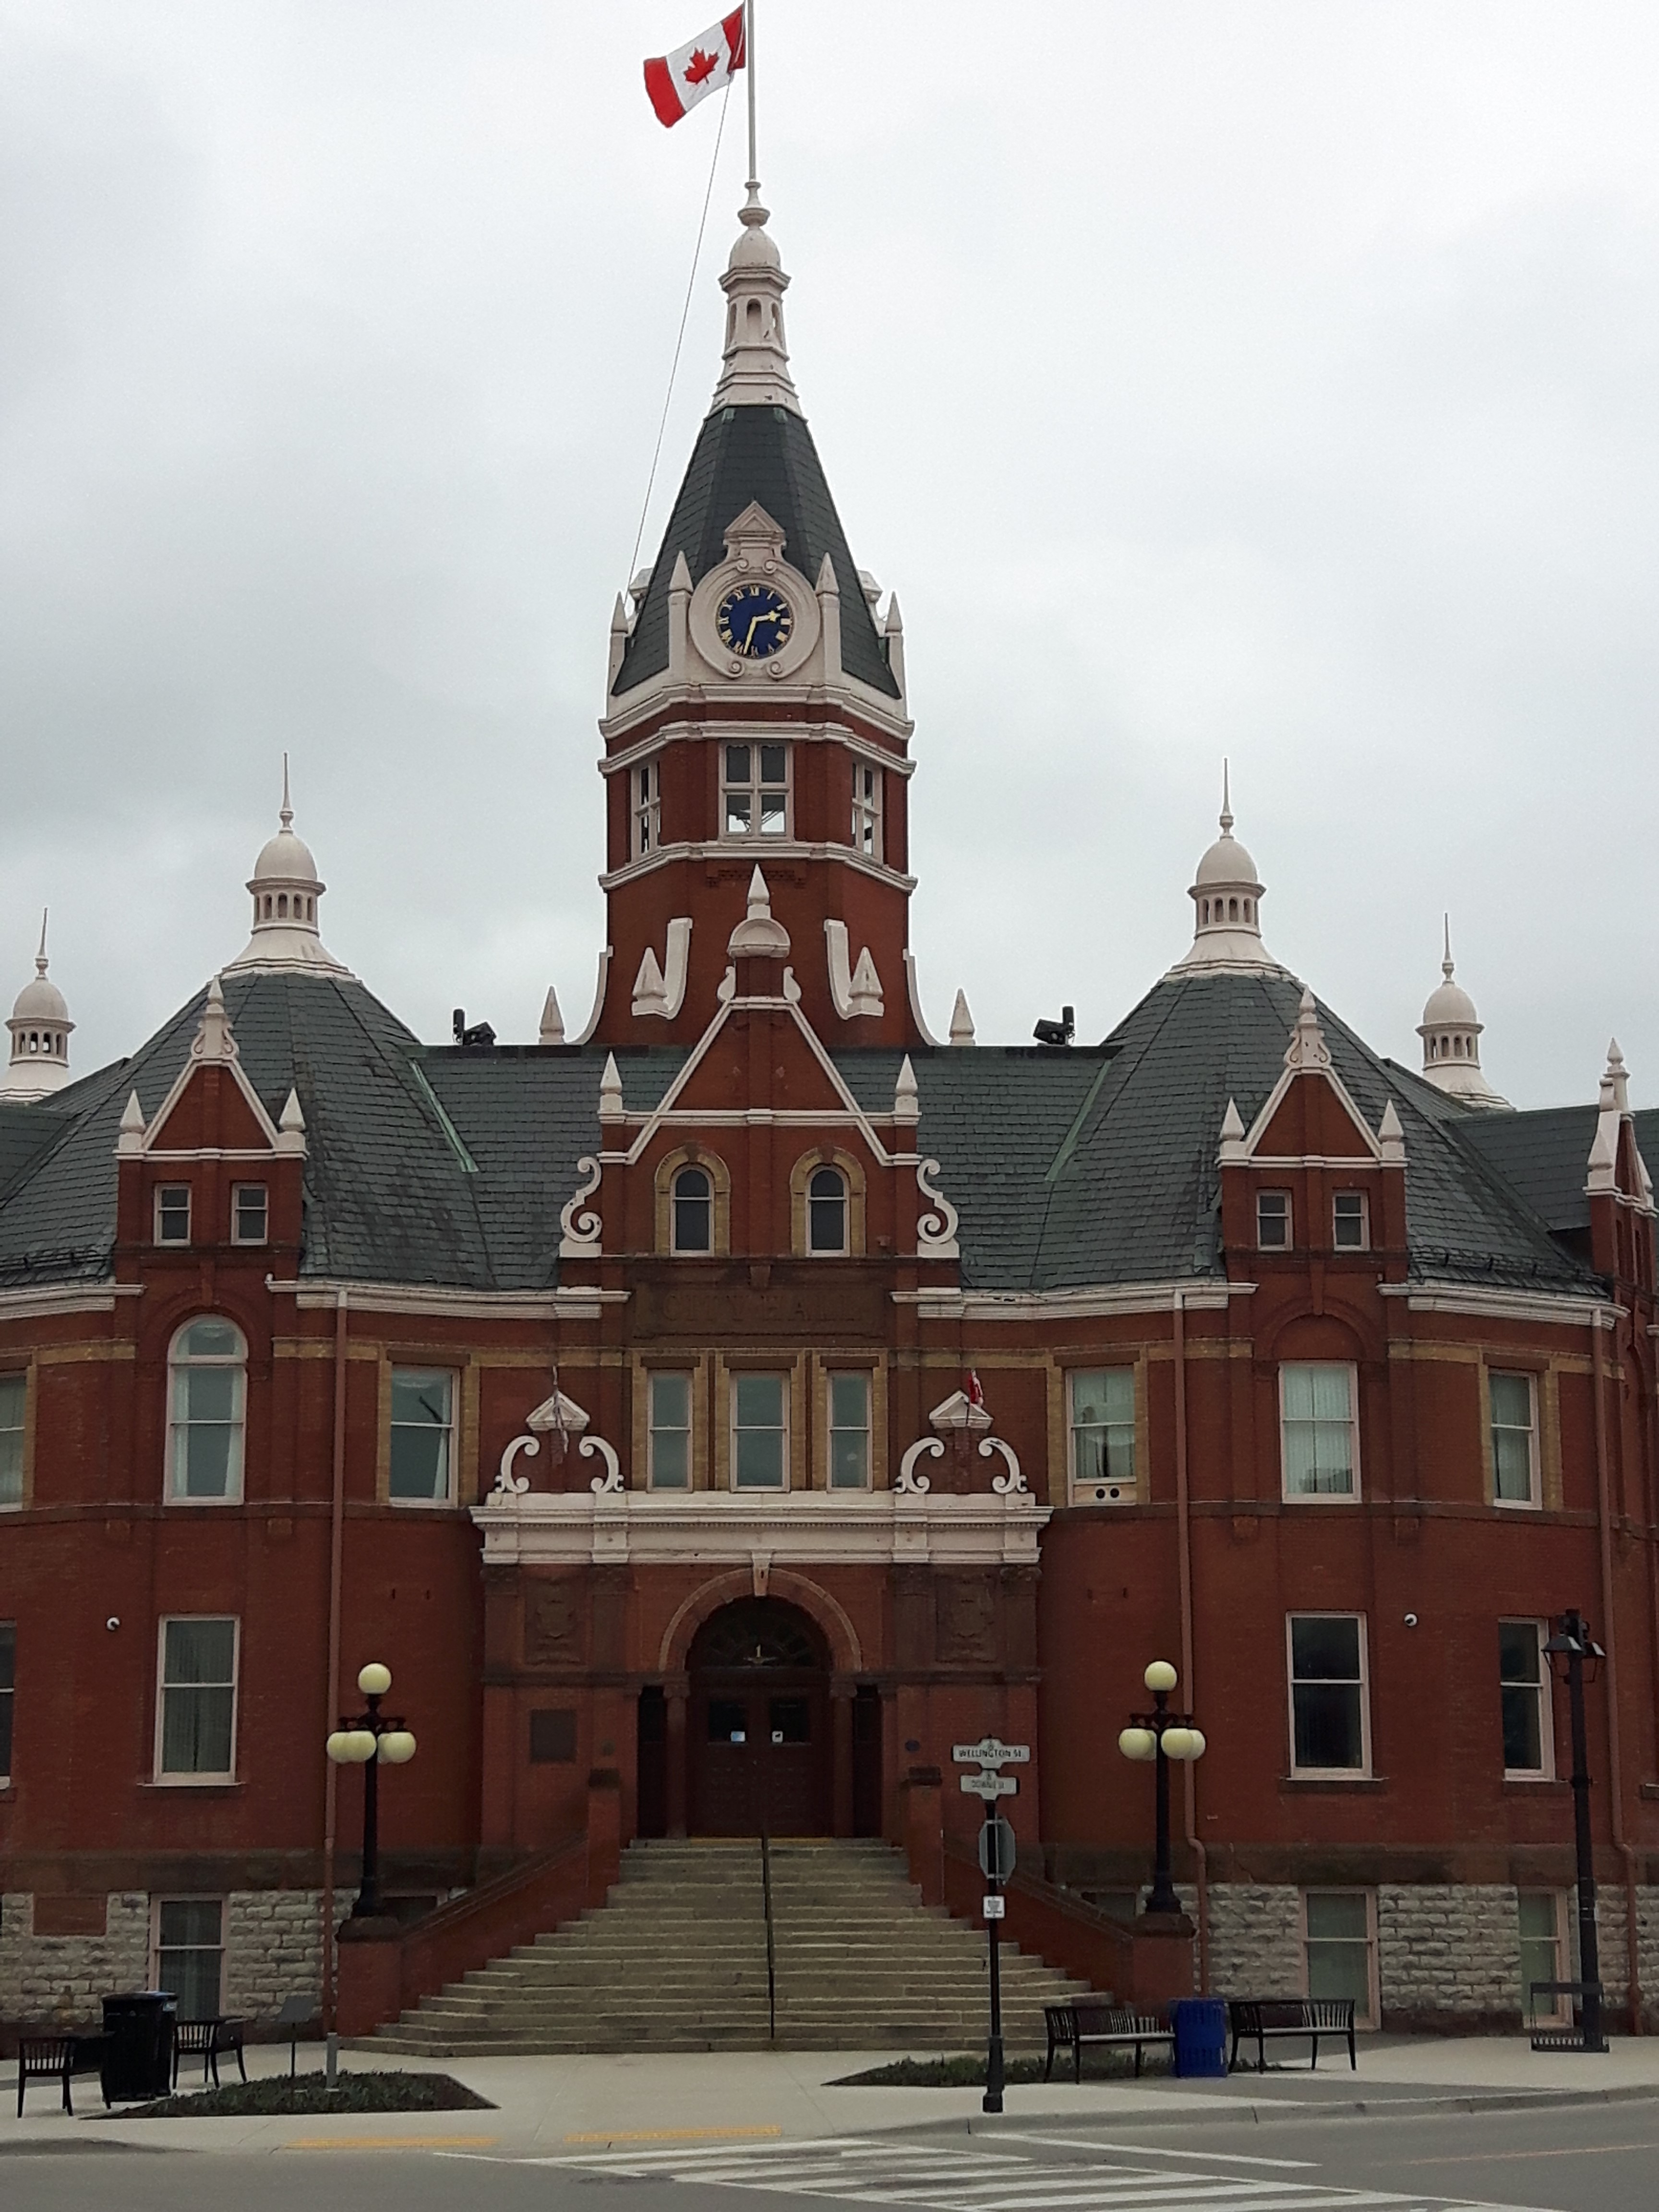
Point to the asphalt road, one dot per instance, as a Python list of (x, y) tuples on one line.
[(1593, 2158)]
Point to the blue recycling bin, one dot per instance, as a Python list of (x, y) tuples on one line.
[(1200, 2037)]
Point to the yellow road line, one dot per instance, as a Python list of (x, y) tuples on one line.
[(391, 2142), (669, 2135)]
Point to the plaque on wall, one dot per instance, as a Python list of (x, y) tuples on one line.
[(552, 1623)]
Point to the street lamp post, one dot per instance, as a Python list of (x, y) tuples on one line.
[(1567, 1650), (1158, 1737), (370, 1739)]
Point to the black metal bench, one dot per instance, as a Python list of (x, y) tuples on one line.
[(56, 2058), (1104, 2026), (1262, 2020), (209, 2040)]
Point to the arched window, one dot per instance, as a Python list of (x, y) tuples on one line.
[(826, 1211), (207, 1403), (693, 1207)]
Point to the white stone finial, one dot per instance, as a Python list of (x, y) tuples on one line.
[(1231, 1150), (1617, 1078), (214, 1040), (1226, 898), (40, 1026), (961, 1021), (132, 1135), (907, 1102), (1307, 1047), (756, 371), (759, 934), (1391, 1137), (552, 1028), (610, 1090), (291, 1129), (287, 890), (1450, 1030)]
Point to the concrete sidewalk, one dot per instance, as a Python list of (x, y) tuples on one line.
[(560, 2107)]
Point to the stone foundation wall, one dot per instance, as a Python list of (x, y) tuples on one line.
[(61, 1981), (273, 1949), (1255, 1940)]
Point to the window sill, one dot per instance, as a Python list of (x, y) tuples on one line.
[(1517, 1504), (1521, 1783), (1320, 1497), (222, 1785), (422, 1504), (1308, 1784)]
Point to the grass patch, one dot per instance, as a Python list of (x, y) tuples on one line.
[(966, 2073), (279, 2094)]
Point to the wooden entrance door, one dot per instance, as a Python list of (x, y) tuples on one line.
[(758, 1730)]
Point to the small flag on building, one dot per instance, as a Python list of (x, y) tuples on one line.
[(677, 82), (976, 1387)]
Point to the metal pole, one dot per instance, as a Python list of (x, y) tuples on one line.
[(993, 2066), (368, 1894), (749, 64), (1589, 1957), (1164, 1897)]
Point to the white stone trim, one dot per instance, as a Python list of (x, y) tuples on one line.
[(37, 1303), (943, 1304), (580, 1304), (748, 848), (1494, 1304)]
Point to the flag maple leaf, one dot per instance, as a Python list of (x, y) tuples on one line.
[(700, 66)]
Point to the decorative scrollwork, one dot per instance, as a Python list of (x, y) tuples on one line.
[(579, 1231), (936, 1233), (507, 1483), (1012, 1484), (596, 1446), (909, 1483)]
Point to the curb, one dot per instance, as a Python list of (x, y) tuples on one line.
[(1307, 2112)]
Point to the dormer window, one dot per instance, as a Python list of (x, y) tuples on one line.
[(693, 1211), (647, 808), (866, 810), (755, 790)]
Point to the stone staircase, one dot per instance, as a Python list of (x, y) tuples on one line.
[(675, 1959)]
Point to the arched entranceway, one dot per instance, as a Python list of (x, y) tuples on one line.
[(759, 1756)]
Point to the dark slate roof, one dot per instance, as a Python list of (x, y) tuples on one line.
[(764, 453), (1546, 1156), (1090, 1165)]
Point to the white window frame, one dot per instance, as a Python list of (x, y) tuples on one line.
[(752, 787), (172, 1243), (8, 1700), (156, 1947), (832, 1429), (236, 1474), (1086, 1491), (652, 1375), (1561, 1901), (691, 1251), (1373, 2011), (1289, 1243), (645, 806), (1363, 1772), (868, 794), (237, 1234), (1350, 1496), (781, 1376), (16, 1438), (450, 1496), (1546, 1771), (162, 1778), (1533, 1498), (1364, 1242)]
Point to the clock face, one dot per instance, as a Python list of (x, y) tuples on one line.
[(753, 621)]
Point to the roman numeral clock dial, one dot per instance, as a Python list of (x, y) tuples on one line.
[(753, 621)]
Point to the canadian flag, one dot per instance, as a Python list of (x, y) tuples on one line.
[(677, 82), (976, 1387)]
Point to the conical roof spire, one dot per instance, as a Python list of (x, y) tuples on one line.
[(1450, 1030), (757, 359), (40, 1027)]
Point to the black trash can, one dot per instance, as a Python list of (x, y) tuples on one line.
[(1200, 2037), (138, 2032)]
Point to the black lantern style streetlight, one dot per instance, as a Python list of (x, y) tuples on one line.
[(1159, 1736), (1568, 1651), (371, 1739)]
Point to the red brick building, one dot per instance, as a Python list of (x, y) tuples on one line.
[(618, 1391)]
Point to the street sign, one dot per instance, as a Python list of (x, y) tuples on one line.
[(991, 1751), (994, 1907), (997, 1850), (988, 1785)]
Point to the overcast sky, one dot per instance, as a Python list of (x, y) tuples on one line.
[(1270, 378)]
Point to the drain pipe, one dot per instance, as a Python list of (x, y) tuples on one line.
[(1184, 1550), (335, 1550), (1615, 1764)]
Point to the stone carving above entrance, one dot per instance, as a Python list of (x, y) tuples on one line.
[(552, 1623), (965, 1620), (562, 1417)]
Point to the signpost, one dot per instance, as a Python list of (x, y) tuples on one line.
[(996, 1859)]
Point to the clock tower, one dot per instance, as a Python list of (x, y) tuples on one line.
[(756, 716)]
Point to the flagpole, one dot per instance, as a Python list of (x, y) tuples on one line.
[(749, 64)]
